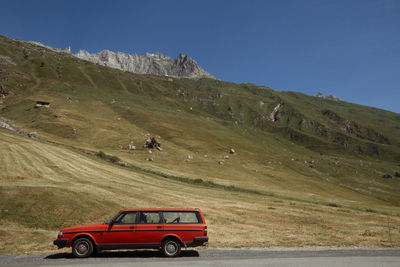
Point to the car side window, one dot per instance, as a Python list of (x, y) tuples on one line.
[(173, 217), (126, 218), (149, 217)]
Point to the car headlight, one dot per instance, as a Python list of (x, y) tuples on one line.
[(60, 233)]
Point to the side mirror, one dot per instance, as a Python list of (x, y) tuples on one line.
[(109, 221), (110, 224)]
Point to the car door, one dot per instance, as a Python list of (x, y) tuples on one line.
[(122, 233), (149, 229)]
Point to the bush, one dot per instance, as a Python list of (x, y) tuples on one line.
[(367, 233), (109, 158)]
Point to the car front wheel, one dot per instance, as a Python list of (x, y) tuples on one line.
[(171, 248), (82, 247)]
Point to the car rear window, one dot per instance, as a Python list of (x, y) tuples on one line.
[(181, 217)]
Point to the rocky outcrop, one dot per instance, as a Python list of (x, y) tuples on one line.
[(327, 97), (353, 128), (183, 66), (274, 114), (8, 125), (66, 50)]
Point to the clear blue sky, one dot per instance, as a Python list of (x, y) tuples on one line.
[(347, 48)]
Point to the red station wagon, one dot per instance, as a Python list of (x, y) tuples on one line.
[(165, 229)]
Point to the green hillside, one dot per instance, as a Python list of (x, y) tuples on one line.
[(313, 158)]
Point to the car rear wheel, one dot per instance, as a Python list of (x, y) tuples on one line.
[(82, 247), (171, 248)]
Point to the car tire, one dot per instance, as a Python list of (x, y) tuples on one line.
[(82, 247), (171, 248)]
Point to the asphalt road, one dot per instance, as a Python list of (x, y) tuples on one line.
[(220, 257)]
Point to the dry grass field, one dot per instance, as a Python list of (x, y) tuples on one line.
[(44, 187)]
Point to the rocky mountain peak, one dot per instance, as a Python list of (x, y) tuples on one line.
[(151, 63)]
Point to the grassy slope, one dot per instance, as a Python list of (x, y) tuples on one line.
[(109, 108), (62, 187)]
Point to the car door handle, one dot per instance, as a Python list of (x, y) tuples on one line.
[(132, 227), (158, 227)]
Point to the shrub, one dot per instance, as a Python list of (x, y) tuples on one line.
[(109, 158), (367, 233)]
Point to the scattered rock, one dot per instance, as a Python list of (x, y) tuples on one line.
[(190, 157), (149, 159), (5, 60), (150, 152), (387, 176), (309, 163), (40, 104), (33, 135), (221, 163), (232, 151), (3, 91), (131, 146), (206, 156), (226, 157), (74, 130), (152, 143), (8, 125)]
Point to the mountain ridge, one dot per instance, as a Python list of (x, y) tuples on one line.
[(150, 63)]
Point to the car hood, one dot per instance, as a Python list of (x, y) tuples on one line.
[(88, 227)]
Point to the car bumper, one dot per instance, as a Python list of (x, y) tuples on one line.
[(197, 241), (60, 242)]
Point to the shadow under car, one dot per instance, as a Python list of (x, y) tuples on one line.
[(125, 254)]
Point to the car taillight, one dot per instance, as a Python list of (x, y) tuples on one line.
[(205, 231)]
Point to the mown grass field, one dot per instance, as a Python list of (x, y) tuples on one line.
[(312, 178), (45, 187)]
